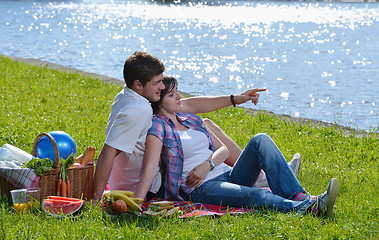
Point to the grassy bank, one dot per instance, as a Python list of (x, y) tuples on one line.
[(38, 99)]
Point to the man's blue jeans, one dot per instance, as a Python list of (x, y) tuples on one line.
[(234, 189)]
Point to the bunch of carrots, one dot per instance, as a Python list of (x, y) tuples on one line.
[(63, 187)]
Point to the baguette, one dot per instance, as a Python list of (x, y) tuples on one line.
[(162, 203), (172, 211), (88, 155), (154, 213), (79, 159), (167, 207)]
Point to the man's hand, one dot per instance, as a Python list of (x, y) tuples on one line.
[(198, 174), (251, 94)]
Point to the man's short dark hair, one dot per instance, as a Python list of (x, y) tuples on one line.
[(141, 66)]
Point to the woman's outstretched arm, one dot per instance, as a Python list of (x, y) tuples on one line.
[(150, 164), (204, 104)]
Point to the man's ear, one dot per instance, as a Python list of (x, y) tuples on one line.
[(138, 85)]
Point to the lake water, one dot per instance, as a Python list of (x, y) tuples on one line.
[(318, 60)]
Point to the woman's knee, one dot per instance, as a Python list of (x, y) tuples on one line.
[(206, 121), (261, 137), (259, 141), (210, 125)]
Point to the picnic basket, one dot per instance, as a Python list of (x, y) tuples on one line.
[(81, 178)]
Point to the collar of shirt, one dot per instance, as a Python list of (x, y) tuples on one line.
[(188, 120), (131, 92)]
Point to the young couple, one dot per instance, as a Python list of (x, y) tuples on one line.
[(192, 156)]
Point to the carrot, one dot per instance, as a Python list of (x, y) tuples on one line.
[(59, 187), (68, 187), (63, 189)]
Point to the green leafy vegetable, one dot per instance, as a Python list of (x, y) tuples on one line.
[(40, 165)]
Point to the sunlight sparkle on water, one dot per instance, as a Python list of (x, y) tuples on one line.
[(297, 49)]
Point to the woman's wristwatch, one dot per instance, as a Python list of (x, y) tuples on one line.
[(211, 163)]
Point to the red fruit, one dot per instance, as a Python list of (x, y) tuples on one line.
[(118, 207)]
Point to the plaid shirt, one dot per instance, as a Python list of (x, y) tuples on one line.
[(172, 152)]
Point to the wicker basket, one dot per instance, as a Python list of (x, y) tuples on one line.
[(81, 178)]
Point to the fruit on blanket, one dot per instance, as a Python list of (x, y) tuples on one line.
[(127, 200), (137, 200), (125, 196), (55, 206), (126, 193), (118, 207), (109, 195)]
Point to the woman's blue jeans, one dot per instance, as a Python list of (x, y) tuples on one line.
[(234, 189)]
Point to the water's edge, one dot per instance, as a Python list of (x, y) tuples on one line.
[(347, 130)]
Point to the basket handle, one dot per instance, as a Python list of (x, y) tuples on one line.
[(52, 140)]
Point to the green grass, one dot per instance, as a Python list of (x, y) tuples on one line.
[(37, 99)]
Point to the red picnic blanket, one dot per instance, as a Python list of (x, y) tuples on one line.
[(191, 209)]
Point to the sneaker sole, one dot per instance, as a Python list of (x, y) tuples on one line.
[(298, 166), (332, 192), (298, 163)]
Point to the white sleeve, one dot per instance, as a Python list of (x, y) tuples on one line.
[(127, 128)]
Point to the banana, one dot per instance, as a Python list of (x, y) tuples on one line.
[(126, 193), (137, 200), (128, 201), (107, 196)]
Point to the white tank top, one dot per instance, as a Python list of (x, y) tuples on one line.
[(196, 150)]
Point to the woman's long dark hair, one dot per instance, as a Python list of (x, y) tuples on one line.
[(170, 83)]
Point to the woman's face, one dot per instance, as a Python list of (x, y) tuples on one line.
[(171, 102)]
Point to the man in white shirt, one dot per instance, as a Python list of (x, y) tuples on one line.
[(121, 157)]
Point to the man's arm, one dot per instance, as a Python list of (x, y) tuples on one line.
[(103, 170), (208, 103)]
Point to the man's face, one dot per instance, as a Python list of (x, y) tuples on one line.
[(152, 90)]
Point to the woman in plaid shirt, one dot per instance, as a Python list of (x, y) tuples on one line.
[(193, 165)]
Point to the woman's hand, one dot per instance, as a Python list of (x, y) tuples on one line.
[(198, 174), (251, 94)]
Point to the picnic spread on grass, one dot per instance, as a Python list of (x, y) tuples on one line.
[(65, 181)]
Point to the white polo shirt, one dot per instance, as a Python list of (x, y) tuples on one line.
[(128, 123)]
